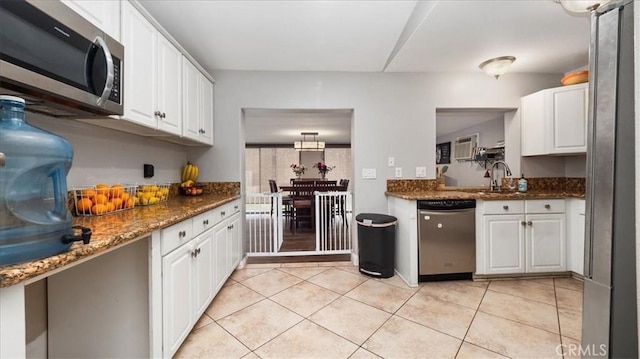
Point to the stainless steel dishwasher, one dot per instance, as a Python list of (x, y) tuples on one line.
[(446, 239)]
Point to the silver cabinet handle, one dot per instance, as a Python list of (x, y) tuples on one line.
[(547, 206), (3, 159), (506, 208), (108, 85)]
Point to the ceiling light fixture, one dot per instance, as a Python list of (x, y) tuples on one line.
[(580, 6), (305, 145), (497, 66)]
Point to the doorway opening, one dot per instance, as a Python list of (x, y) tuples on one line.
[(298, 202)]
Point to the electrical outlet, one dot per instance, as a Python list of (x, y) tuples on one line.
[(368, 173), (421, 172), (391, 162), (398, 172)]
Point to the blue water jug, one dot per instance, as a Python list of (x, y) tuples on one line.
[(35, 221)]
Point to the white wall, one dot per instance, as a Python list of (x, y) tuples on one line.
[(106, 156), (394, 115), (470, 173)]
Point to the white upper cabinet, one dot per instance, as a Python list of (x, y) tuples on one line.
[(139, 39), (153, 79), (198, 104), (104, 14), (554, 121), (169, 89)]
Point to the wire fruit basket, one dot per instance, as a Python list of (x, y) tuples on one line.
[(103, 199), (148, 194)]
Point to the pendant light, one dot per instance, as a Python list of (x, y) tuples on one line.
[(305, 145)]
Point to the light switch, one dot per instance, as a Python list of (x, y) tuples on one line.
[(398, 172), (368, 173), (421, 172), (391, 162)]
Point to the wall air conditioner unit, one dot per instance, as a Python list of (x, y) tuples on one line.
[(464, 147)]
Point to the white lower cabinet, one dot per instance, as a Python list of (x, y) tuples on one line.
[(177, 297), (504, 246), (522, 236), (197, 258), (575, 235)]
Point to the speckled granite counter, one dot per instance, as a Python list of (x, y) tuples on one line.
[(485, 195), (115, 229), (539, 188)]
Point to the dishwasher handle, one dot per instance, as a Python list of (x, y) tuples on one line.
[(424, 212)]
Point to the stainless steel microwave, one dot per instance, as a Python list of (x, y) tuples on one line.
[(60, 63)]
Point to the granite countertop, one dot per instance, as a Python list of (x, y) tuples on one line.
[(115, 229), (482, 193)]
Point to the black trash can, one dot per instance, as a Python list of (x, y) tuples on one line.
[(376, 244)]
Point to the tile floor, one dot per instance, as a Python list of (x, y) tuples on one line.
[(330, 310)]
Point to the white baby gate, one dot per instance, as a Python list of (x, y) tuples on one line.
[(267, 221)]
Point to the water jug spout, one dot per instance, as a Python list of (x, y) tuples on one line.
[(79, 234)]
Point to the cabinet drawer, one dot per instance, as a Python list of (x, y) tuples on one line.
[(203, 221), (234, 207), (545, 205), (175, 236), (503, 207)]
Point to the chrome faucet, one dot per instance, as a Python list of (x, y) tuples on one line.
[(506, 171)]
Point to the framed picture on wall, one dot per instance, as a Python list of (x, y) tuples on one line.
[(443, 153)]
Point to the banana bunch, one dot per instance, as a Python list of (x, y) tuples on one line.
[(190, 172)]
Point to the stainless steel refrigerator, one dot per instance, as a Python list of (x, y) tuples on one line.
[(609, 323)]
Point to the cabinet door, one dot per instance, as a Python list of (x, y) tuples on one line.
[(191, 101), (206, 111), (203, 273), (220, 233), (532, 122), (234, 242), (546, 243), (569, 119), (169, 89), (177, 298), (139, 39), (503, 237), (105, 14)]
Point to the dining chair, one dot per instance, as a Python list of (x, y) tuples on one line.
[(302, 204)]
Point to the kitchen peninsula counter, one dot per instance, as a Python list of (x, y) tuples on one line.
[(112, 230), (403, 195)]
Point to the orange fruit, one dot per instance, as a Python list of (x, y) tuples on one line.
[(102, 189), (115, 191), (100, 199), (125, 196), (128, 203), (99, 209), (84, 205), (110, 207), (117, 202), (87, 193)]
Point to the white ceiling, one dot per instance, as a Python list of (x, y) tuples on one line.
[(373, 36)]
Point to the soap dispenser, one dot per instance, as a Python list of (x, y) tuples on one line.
[(522, 184)]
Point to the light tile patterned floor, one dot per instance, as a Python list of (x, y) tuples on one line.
[(330, 310)]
